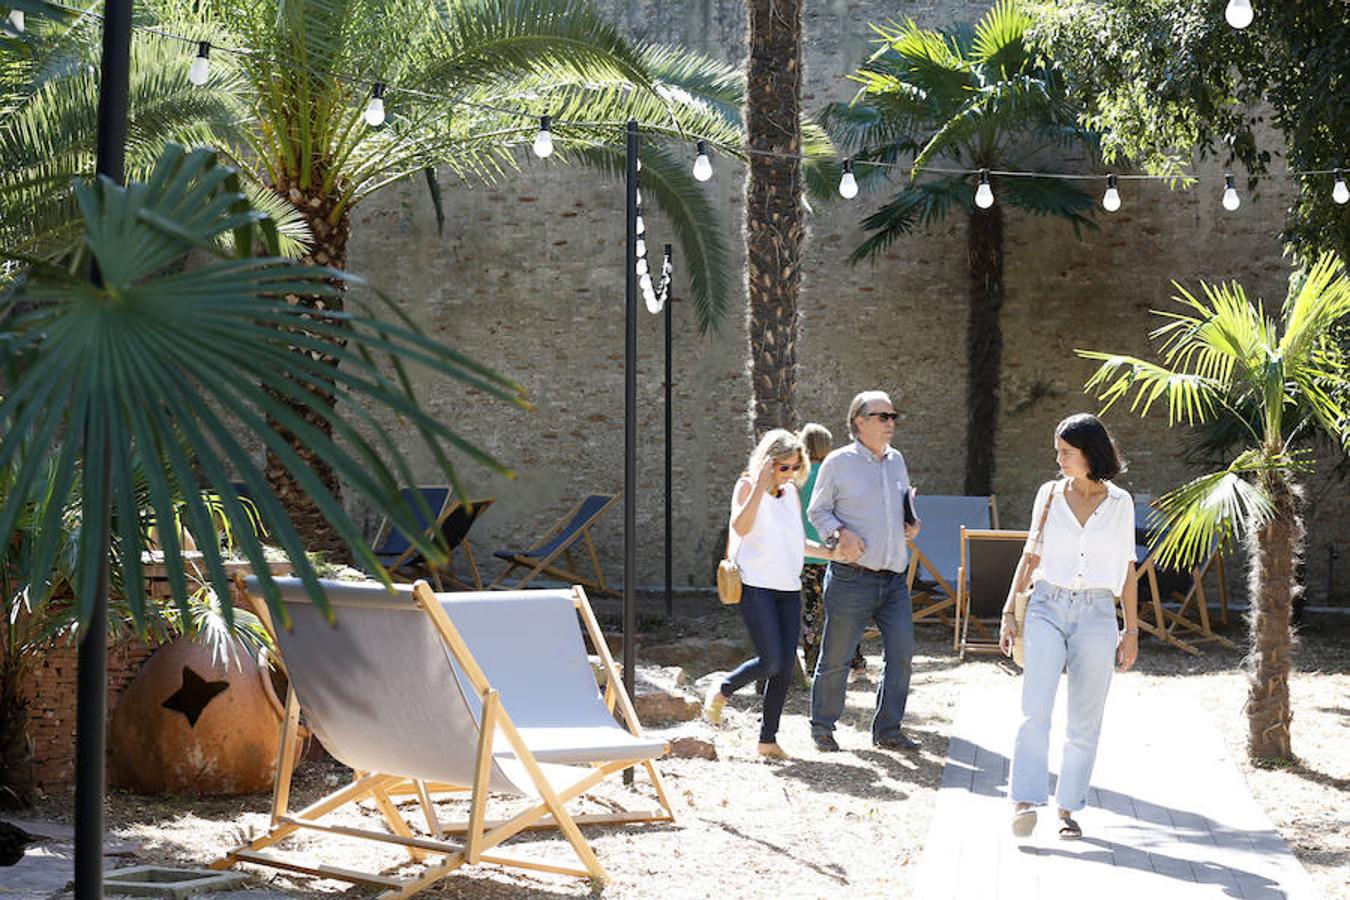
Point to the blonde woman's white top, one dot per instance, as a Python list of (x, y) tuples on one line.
[(1078, 556), (771, 555)]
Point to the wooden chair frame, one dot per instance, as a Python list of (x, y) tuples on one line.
[(1176, 627), (448, 509), (480, 834), (961, 643), (544, 565), (926, 605)]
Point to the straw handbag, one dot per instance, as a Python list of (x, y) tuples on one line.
[(1022, 598), (728, 577)]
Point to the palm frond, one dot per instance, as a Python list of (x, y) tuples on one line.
[(1051, 197), (920, 204), (1190, 397)]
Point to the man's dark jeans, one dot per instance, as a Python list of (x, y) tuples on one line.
[(853, 596), (774, 620)]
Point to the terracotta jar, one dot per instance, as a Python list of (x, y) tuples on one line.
[(189, 724)]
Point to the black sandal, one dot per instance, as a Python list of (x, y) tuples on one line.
[(1069, 830)]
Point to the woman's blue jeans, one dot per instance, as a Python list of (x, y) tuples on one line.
[(1073, 631), (774, 620)]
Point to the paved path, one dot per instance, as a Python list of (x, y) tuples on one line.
[(1169, 815)]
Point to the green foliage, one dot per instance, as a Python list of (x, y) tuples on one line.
[(1166, 81), (130, 377), (969, 99), (1224, 357)]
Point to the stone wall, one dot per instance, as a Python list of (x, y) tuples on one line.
[(528, 276)]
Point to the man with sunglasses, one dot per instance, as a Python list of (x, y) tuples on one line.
[(860, 506)]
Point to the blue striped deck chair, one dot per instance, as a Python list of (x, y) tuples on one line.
[(542, 559), (453, 518), (935, 555)]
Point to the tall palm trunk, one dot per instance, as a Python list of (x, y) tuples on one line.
[(329, 249), (773, 209), (984, 347), (16, 754), (1275, 551)]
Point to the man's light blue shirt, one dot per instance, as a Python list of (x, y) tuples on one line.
[(865, 493)]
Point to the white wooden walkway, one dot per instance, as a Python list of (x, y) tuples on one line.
[(1169, 815)]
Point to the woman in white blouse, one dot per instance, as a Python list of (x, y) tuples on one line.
[(769, 545), (1079, 562)]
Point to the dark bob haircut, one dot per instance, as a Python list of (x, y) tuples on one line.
[(1087, 433)]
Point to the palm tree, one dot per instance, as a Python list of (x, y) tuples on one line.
[(974, 99), (774, 226), (1219, 356), (469, 81)]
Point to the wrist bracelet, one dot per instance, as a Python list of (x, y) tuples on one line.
[(1130, 631)]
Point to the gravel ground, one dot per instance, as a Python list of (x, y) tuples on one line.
[(822, 825)]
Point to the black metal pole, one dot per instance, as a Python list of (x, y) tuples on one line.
[(92, 677), (630, 421), (670, 602)]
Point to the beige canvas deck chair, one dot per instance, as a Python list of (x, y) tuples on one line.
[(542, 559), (989, 561), (421, 693), (1188, 624), (935, 555)]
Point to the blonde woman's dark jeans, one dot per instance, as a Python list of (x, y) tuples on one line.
[(773, 619)]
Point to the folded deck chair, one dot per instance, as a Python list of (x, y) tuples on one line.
[(559, 541), (454, 518), (1159, 587), (420, 693), (935, 555), (989, 561)]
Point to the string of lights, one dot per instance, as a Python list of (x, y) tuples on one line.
[(1239, 14)]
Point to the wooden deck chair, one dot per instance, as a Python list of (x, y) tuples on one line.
[(422, 693), (989, 561), (935, 555), (1187, 624), (454, 518), (559, 541)]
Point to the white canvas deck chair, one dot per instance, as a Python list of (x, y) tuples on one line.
[(989, 561), (935, 555), (479, 693)]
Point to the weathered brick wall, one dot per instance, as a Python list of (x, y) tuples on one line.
[(528, 277), (50, 693)]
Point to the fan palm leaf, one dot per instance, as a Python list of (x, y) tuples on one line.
[(137, 371)]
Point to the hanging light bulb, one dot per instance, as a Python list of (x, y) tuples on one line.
[(642, 267), (1239, 13), (1340, 193), (984, 194), (702, 164), (640, 248), (1231, 200), (1111, 199), (199, 71), (375, 108), (641, 226), (16, 20), (848, 185), (637, 195), (543, 141)]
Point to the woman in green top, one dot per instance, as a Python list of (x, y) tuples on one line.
[(818, 442)]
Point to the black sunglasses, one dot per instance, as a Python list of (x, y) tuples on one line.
[(794, 467), (883, 416)]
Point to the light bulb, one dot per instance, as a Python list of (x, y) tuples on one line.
[(1239, 13), (641, 247), (702, 165), (641, 226), (16, 20), (375, 108), (848, 185), (642, 267), (1340, 193), (1231, 200), (199, 71), (654, 303), (645, 281), (984, 194), (637, 196), (543, 141), (1111, 199)]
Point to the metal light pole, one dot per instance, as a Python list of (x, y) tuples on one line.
[(670, 602), (92, 677), (630, 420)]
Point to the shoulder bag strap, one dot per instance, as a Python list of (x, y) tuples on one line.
[(1040, 529)]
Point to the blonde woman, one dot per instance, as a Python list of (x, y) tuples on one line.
[(769, 546)]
